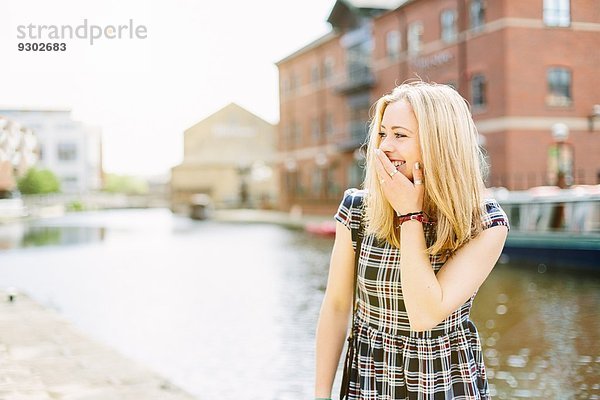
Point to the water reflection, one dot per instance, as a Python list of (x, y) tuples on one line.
[(213, 305), (304, 275), (21, 235), (537, 328)]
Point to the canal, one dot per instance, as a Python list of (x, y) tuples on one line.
[(229, 310)]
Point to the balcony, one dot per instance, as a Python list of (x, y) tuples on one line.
[(356, 138), (360, 77)]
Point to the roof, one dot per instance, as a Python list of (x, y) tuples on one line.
[(22, 110), (340, 10), (379, 4), (348, 14), (315, 43), (231, 105)]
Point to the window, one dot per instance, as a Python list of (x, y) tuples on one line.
[(358, 107), (328, 68), (314, 74), (293, 83), (67, 151), (297, 132), (477, 14), (415, 37), (333, 188), (329, 124), (315, 130), (292, 135), (291, 182), (392, 45), (286, 136), (317, 181), (358, 62), (559, 87), (478, 91), (286, 86), (68, 126), (69, 182), (356, 174), (448, 23), (557, 12)]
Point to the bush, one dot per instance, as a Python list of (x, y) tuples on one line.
[(75, 205), (125, 184), (38, 181)]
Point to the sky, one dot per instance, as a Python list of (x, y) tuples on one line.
[(196, 57)]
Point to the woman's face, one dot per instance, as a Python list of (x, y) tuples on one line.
[(400, 137)]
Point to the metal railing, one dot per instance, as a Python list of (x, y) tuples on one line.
[(525, 180)]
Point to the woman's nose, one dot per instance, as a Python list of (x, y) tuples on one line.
[(385, 145)]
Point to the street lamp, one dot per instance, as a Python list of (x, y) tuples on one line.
[(595, 114), (321, 160), (291, 165)]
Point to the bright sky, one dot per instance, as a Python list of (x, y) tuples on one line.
[(198, 57)]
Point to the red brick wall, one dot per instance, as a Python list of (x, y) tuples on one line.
[(513, 51), (514, 61), (309, 101)]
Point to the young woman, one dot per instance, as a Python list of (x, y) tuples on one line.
[(430, 237)]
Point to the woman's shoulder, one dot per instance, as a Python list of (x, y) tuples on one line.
[(353, 193), (488, 201), (353, 198), (493, 214), (349, 211)]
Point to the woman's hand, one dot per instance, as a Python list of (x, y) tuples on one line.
[(403, 195)]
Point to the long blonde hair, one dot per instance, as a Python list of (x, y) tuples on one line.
[(453, 165)]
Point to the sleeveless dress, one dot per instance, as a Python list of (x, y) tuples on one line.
[(391, 362)]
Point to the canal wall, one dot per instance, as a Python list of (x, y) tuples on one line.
[(290, 220), (44, 357)]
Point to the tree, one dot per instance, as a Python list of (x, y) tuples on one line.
[(125, 184), (38, 181)]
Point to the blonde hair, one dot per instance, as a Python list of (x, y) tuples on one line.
[(453, 165)]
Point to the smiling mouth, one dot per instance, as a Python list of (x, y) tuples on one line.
[(398, 163)]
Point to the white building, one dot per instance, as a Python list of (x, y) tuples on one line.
[(18, 152), (227, 156), (68, 148)]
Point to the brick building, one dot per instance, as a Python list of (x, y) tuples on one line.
[(530, 70)]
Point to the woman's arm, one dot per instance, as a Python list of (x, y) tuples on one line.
[(335, 311), (430, 298)]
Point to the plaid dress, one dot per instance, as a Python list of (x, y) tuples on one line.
[(391, 362)]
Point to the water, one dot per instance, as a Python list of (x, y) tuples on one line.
[(229, 310)]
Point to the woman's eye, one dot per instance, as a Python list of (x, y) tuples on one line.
[(382, 134), (399, 135)]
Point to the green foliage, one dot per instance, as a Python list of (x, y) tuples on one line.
[(42, 236), (125, 184), (75, 205), (38, 181)]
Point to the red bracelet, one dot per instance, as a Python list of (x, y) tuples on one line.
[(416, 216)]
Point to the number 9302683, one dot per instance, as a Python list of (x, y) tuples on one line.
[(42, 46)]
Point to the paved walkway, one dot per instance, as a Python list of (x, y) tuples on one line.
[(43, 357), (271, 217)]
